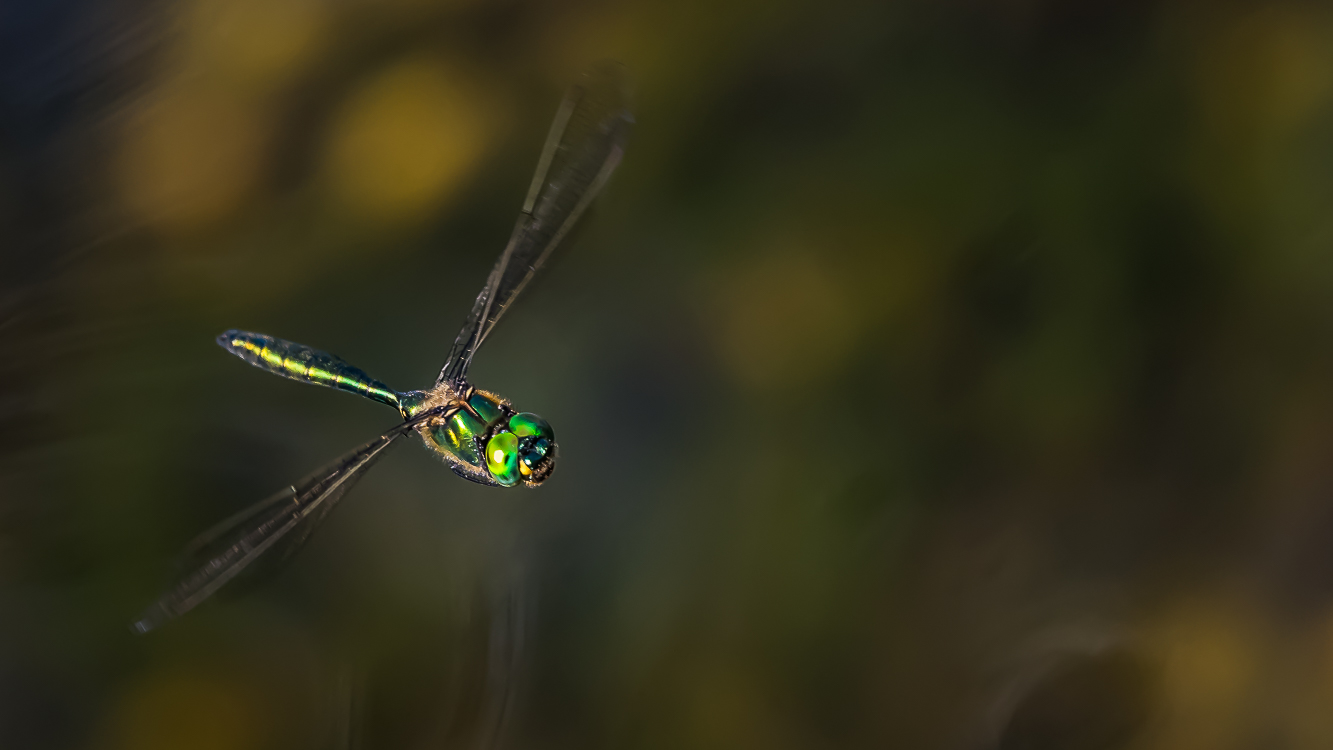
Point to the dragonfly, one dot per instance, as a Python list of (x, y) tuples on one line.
[(481, 435)]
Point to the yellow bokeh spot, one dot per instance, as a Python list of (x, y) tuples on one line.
[(170, 712), (189, 158), (407, 9), (726, 707), (1261, 77), (783, 322), (254, 43), (1267, 70), (403, 141), (1212, 656), (1208, 668)]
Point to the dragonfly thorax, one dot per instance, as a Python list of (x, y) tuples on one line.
[(484, 438)]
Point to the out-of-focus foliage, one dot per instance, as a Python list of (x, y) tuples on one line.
[(931, 374)]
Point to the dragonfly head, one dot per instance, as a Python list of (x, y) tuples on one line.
[(521, 450)]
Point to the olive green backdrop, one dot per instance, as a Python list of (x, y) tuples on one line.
[(930, 375)]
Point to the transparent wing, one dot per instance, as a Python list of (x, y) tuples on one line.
[(582, 150), (290, 515), (505, 660)]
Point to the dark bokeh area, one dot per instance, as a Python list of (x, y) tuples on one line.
[(930, 375)]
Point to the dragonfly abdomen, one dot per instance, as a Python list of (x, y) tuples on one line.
[(307, 365)]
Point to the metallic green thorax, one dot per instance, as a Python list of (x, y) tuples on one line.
[(300, 362), (458, 436)]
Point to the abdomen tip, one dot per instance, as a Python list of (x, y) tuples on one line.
[(225, 338)]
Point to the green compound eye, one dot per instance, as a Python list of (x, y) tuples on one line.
[(502, 458), (528, 424), (531, 452), (536, 447)]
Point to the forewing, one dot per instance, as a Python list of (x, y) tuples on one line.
[(582, 150), (227, 549)]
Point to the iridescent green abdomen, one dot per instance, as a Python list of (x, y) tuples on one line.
[(300, 362)]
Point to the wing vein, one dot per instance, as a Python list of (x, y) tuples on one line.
[(244, 537), (582, 149)]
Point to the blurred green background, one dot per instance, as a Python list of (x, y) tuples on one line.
[(931, 374)]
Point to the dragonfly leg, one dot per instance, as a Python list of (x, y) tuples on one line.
[(466, 406), (453, 407), (439, 420)]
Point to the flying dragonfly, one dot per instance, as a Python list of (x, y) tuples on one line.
[(480, 434)]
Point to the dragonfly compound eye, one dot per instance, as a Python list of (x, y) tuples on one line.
[(502, 458), (528, 424), (536, 446)]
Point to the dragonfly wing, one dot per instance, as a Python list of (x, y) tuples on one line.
[(505, 661), (583, 148), (227, 549)]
